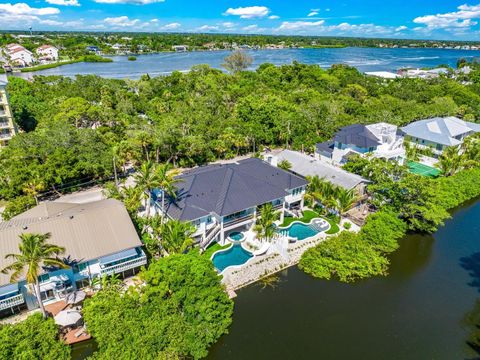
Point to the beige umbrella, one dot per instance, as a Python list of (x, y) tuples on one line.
[(67, 317), (75, 297)]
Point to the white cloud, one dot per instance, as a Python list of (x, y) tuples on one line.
[(249, 12), (131, 2), (228, 25), (120, 21), (313, 12), (463, 18), (208, 28), (50, 22), (300, 25), (25, 9), (171, 26), (274, 17), (154, 21), (401, 28), (63, 2)]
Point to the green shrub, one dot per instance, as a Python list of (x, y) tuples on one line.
[(347, 225), (345, 257)]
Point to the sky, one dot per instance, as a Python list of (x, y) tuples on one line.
[(413, 19)]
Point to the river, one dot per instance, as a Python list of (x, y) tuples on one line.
[(416, 312), (365, 59)]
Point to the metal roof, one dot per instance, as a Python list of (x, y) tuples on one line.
[(305, 165), (86, 231), (229, 188), (440, 130)]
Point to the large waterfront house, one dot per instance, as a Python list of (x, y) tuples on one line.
[(99, 238), (379, 140), (218, 199), (7, 126), (439, 133), (305, 165)]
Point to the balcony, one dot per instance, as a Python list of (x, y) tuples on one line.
[(4, 124), (11, 302), (5, 135), (124, 266), (237, 220)]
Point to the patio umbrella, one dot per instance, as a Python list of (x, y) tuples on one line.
[(67, 317), (75, 297)]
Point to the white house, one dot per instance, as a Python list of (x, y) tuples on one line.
[(99, 238), (380, 140), (18, 55), (47, 52), (439, 133), (218, 199)]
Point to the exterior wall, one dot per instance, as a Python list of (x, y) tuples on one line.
[(437, 148), (7, 126), (73, 276)]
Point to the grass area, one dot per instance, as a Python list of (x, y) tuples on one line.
[(214, 248), (307, 216), (422, 169), (333, 227)]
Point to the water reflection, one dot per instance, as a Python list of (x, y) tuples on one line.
[(414, 254), (472, 265)]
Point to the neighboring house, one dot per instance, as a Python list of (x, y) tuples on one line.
[(7, 126), (47, 52), (220, 198), (180, 48), (439, 133), (305, 165), (99, 239), (92, 48), (18, 55), (380, 140), (424, 74), (383, 74)]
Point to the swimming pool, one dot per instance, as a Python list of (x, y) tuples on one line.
[(302, 231), (236, 236), (233, 256)]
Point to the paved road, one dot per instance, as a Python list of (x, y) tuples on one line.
[(82, 197)]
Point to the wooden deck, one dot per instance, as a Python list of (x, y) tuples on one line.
[(56, 307), (70, 337)]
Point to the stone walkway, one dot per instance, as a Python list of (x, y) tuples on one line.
[(263, 266)]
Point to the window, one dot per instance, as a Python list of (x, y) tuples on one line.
[(80, 267), (82, 283), (209, 220), (47, 295), (439, 147), (44, 278)]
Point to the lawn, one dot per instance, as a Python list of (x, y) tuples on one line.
[(333, 227), (307, 216), (213, 248)]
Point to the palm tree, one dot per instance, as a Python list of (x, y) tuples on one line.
[(450, 161), (345, 199), (147, 179), (34, 252), (168, 179), (265, 224), (411, 151), (176, 236), (285, 165)]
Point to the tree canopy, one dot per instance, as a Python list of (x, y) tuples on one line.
[(182, 310)]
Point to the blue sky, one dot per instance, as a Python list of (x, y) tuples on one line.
[(425, 19)]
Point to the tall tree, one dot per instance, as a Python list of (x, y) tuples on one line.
[(265, 224), (176, 236), (237, 61), (167, 177), (34, 253), (345, 199), (147, 179)]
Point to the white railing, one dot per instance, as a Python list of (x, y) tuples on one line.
[(12, 301), (210, 236), (127, 265)]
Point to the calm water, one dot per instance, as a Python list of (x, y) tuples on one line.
[(414, 313), (365, 59)]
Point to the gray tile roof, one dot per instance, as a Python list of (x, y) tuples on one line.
[(440, 130), (357, 135), (87, 231), (305, 165), (229, 188)]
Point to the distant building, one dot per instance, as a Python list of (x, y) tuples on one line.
[(99, 239), (18, 55), (380, 140), (7, 126), (423, 74), (92, 48), (383, 74), (439, 133), (47, 52), (180, 48)]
